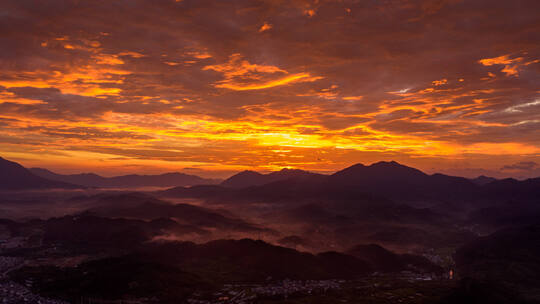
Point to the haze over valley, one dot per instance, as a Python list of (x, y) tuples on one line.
[(269, 151)]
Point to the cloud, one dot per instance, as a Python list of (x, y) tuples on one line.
[(520, 107), (440, 82), (444, 80), (524, 165), (511, 66), (265, 27), (241, 75)]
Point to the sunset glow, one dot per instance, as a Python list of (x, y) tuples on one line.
[(219, 86)]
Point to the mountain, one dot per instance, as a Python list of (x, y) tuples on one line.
[(256, 260), (512, 189), (384, 179), (95, 233), (244, 179), (394, 180), (386, 261), (379, 172), (144, 207), (13, 176), (249, 178), (506, 214), (500, 268), (388, 180), (86, 179), (483, 180), (126, 181)]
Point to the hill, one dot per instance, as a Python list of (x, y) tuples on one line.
[(13, 176), (144, 207), (500, 268), (248, 178), (386, 261)]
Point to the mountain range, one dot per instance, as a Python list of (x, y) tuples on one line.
[(389, 180), (125, 181), (13, 176), (384, 217)]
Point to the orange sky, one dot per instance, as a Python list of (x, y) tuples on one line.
[(213, 87)]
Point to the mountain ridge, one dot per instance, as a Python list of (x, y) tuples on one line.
[(389, 180), (170, 179), (14, 176), (249, 178)]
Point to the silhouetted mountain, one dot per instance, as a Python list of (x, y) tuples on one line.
[(96, 233), (248, 178), (202, 192), (293, 241), (507, 214), (500, 268), (384, 179), (86, 179), (393, 180), (88, 233), (427, 237), (249, 260), (340, 224), (483, 180), (244, 179), (13, 176), (512, 189), (380, 172), (144, 207), (126, 181), (386, 261)]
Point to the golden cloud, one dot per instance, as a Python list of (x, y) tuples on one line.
[(511, 65), (241, 75)]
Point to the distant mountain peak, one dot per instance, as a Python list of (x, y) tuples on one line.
[(248, 172), (291, 170), (388, 169), (387, 163), (249, 178), (286, 172), (391, 165)]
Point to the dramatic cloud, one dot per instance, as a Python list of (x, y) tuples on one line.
[(240, 75), (227, 85)]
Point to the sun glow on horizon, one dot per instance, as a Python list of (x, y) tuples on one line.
[(263, 90)]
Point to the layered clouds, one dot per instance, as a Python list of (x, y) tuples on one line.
[(225, 85)]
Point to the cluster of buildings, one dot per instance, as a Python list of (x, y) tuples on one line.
[(13, 293), (245, 294), (7, 264), (288, 287)]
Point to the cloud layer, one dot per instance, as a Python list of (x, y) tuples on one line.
[(225, 85)]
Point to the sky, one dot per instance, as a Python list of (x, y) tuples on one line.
[(214, 87)]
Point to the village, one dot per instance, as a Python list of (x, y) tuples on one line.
[(14, 293), (247, 293)]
